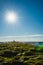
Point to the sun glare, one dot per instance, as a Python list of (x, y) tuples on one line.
[(11, 17)]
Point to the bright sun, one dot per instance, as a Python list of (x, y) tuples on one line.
[(11, 17)]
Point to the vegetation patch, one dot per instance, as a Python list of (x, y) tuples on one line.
[(18, 53)]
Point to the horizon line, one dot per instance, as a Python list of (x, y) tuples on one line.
[(32, 37)]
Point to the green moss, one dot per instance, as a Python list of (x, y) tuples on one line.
[(21, 52)]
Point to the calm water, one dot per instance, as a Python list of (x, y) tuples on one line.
[(39, 43)]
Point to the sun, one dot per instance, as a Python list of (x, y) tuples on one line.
[(11, 17)]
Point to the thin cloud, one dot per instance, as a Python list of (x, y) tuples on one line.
[(35, 37)]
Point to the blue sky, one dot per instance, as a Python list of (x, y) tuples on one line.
[(30, 21)]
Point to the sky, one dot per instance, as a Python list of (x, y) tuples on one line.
[(29, 26)]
